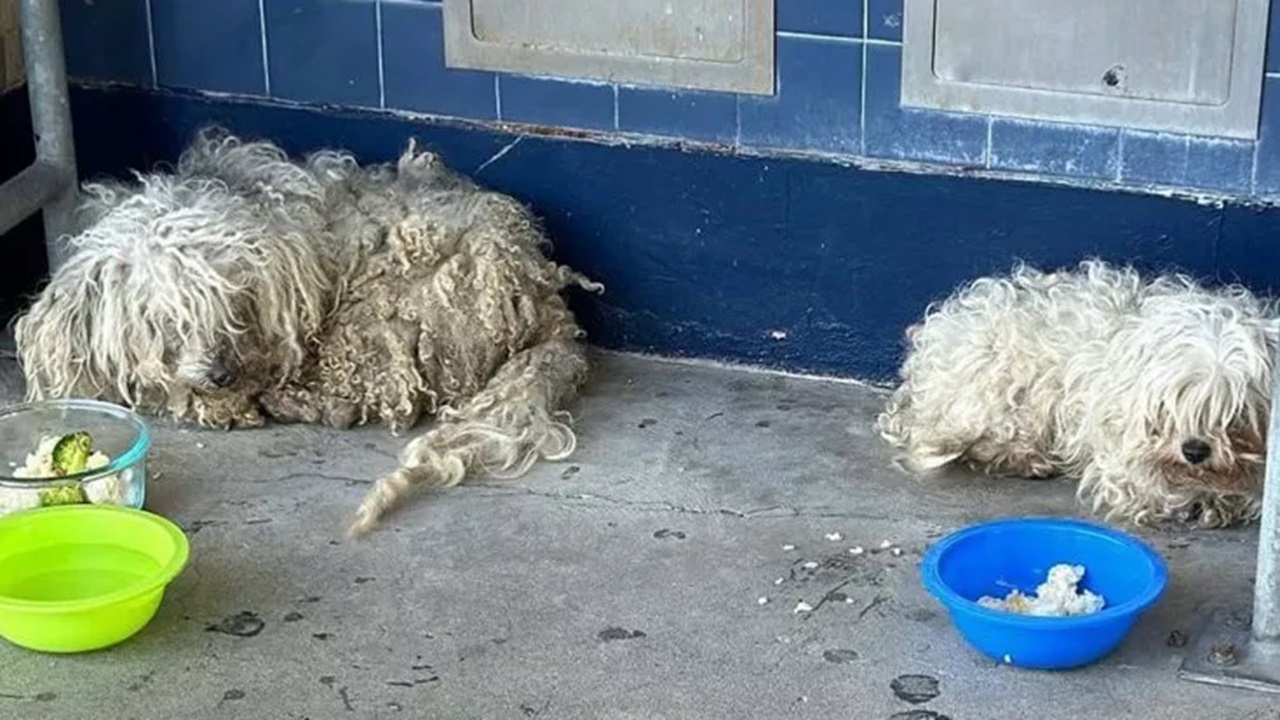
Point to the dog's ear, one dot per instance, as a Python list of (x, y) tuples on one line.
[(51, 335)]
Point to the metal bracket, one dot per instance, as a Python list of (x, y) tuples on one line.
[(1223, 653)]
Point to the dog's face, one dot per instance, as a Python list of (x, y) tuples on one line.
[(1215, 460), (173, 291), (1198, 370)]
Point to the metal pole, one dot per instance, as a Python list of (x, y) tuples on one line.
[(46, 70), (1266, 590)]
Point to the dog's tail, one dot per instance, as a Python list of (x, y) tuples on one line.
[(502, 430)]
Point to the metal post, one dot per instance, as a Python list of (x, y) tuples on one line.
[(1237, 650), (50, 183), (1266, 589)]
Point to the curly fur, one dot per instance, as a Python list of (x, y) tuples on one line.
[(1096, 373), (244, 284)]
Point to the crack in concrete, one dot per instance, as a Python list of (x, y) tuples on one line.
[(307, 476), (878, 600), (828, 594), (664, 506)]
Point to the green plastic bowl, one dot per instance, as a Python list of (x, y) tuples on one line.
[(76, 578)]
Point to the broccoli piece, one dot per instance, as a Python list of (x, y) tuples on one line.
[(71, 454), (63, 495)]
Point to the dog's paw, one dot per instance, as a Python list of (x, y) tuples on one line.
[(250, 419), (289, 405), (341, 414)]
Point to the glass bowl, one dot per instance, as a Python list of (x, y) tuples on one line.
[(116, 431)]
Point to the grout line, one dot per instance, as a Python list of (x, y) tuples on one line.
[(1272, 75), (737, 115), (1257, 143), (862, 91), (1253, 170), (266, 64), (1186, 160), (382, 82), (986, 151), (616, 125), (1119, 155), (151, 46), (1119, 176), (497, 96)]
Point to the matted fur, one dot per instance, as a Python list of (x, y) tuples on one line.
[(244, 285), (1100, 374)]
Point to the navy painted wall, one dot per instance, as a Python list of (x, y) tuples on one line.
[(786, 263), (838, 66)]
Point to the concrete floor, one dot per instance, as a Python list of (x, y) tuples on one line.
[(624, 584)]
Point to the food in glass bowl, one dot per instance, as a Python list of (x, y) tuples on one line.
[(72, 451), (72, 454)]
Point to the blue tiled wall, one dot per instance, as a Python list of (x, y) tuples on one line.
[(838, 86)]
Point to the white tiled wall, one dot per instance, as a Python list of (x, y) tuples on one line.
[(10, 46)]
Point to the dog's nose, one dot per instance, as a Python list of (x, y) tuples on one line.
[(220, 378), (1196, 451)]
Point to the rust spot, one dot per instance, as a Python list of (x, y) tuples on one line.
[(553, 131), (1224, 653)]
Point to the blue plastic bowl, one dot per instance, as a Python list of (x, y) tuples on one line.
[(995, 557)]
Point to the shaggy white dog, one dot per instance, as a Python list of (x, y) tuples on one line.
[(1155, 393), (244, 284)]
